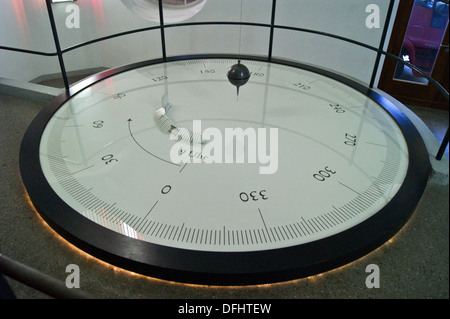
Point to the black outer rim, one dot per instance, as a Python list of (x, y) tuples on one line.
[(219, 268)]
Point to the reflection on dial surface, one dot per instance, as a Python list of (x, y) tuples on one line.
[(340, 156)]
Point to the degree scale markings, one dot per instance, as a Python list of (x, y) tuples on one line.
[(343, 158), (151, 223)]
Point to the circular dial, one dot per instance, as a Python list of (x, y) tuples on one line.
[(162, 169)]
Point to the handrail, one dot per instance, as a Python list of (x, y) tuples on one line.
[(390, 55), (38, 280), (28, 51), (53, 287), (59, 51), (111, 36)]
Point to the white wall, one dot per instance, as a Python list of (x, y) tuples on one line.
[(25, 25), (346, 18)]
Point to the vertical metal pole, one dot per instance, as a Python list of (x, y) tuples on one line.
[(272, 27), (57, 45), (382, 42), (444, 144), (161, 26)]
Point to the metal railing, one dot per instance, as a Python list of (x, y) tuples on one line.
[(162, 26), (38, 280), (55, 288)]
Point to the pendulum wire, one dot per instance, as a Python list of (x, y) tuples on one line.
[(240, 30)]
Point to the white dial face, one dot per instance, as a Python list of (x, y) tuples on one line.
[(331, 157)]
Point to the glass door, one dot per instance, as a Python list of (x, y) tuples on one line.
[(423, 38), (420, 37)]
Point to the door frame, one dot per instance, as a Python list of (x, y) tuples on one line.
[(409, 92)]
